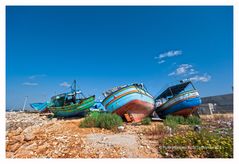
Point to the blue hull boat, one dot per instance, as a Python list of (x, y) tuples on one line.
[(176, 100)]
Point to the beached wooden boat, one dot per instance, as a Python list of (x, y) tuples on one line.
[(178, 100), (69, 104), (132, 100), (63, 108)]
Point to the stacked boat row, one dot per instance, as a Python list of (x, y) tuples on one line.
[(132, 102)]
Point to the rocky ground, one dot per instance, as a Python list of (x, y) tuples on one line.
[(31, 135)]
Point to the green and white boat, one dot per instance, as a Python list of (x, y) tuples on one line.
[(71, 104)]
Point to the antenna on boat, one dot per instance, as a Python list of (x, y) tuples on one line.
[(192, 85), (74, 86), (79, 88), (44, 96), (24, 105)]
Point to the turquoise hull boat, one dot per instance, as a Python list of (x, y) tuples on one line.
[(131, 100), (41, 107)]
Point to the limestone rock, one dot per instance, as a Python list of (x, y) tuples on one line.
[(121, 128), (29, 133), (14, 139), (14, 147)]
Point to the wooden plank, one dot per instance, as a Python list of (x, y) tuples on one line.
[(127, 117)]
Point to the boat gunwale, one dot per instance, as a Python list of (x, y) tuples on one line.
[(117, 91), (126, 94), (124, 88), (61, 108), (180, 101), (194, 90), (71, 110)]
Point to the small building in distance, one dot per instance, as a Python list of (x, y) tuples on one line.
[(217, 104)]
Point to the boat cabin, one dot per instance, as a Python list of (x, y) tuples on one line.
[(173, 91), (66, 99)]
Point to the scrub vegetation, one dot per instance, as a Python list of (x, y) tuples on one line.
[(146, 121), (174, 121), (202, 144), (101, 120)]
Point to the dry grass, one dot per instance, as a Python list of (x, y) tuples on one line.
[(155, 131), (217, 117)]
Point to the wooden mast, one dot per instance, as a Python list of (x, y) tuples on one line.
[(75, 86)]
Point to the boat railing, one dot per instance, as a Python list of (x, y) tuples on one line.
[(173, 83), (110, 91), (164, 88)]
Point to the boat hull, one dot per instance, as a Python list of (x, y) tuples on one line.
[(130, 100), (182, 105), (137, 109), (41, 107), (77, 109)]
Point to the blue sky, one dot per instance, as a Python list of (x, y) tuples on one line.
[(102, 47)]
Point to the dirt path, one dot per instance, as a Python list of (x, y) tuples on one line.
[(124, 145)]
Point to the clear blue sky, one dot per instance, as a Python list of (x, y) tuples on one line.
[(103, 47)]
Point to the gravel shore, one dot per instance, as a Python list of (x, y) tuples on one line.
[(32, 135)]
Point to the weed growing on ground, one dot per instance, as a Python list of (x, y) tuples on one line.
[(173, 121), (204, 144), (155, 132), (192, 120), (101, 120), (146, 121)]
